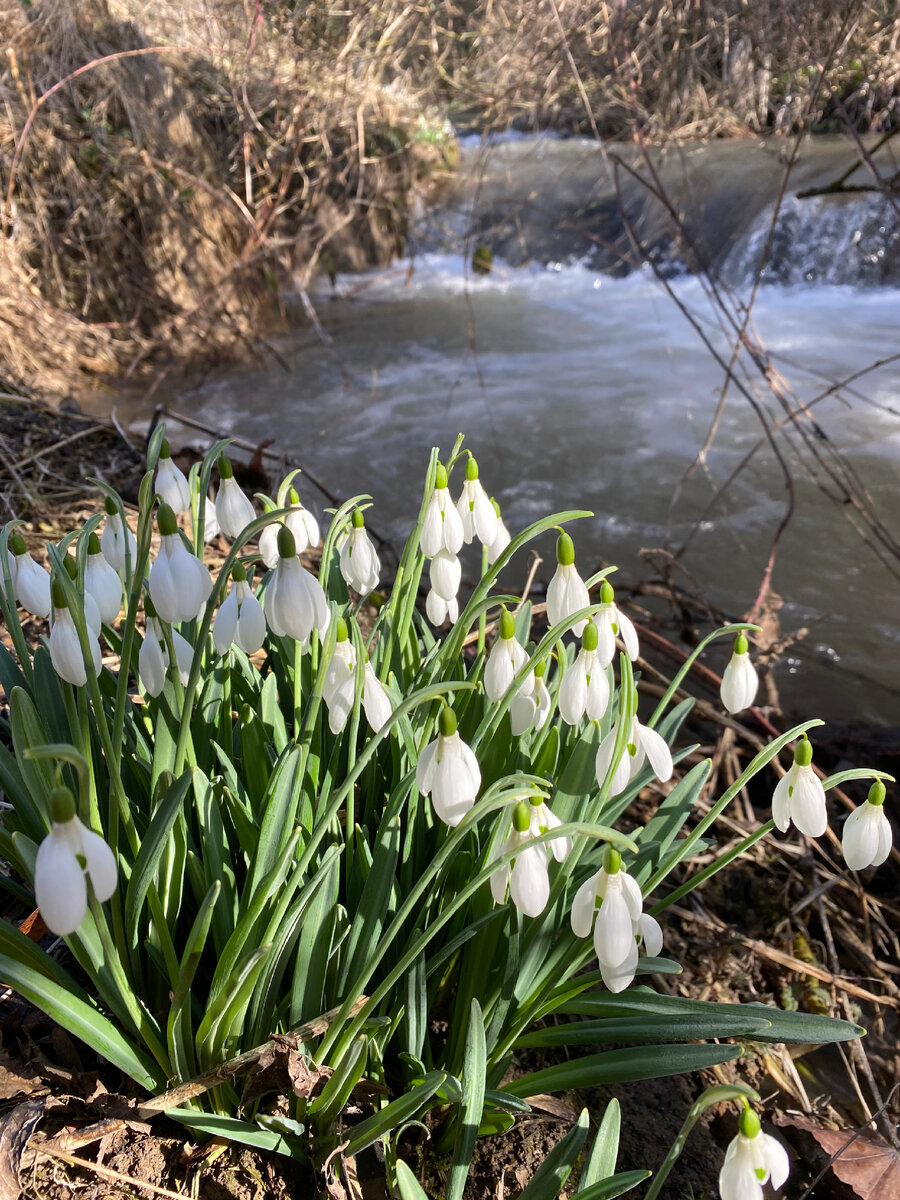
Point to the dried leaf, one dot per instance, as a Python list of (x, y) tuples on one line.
[(866, 1164), (15, 1130), (13, 1084)]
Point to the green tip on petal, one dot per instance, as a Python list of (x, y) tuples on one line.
[(62, 805), (521, 817), (93, 544), (803, 752), (607, 594), (495, 506), (294, 496), (877, 793), (342, 633), (17, 544), (358, 519), (110, 506), (58, 595), (507, 624), (71, 568), (612, 861), (565, 550), (447, 721), (750, 1125), (440, 476), (591, 636), (165, 519), (165, 450), (471, 469), (226, 471), (287, 547), (741, 645), (239, 573)]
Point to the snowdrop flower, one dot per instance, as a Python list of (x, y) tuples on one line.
[(526, 877), (102, 582), (566, 593), (739, 681), (233, 510), (376, 702), (643, 744), (172, 486), (153, 658), (31, 581), (339, 687), (475, 509), (867, 836), (179, 583), (619, 926), (502, 539), (531, 711), (445, 574), (440, 610), (66, 856), (584, 687), (505, 661), (295, 602), (240, 619), (543, 820), (117, 540), (448, 771), (211, 528), (751, 1160), (65, 648), (302, 524), (442, 528), (611, 623), (799, 796), (359, 562)]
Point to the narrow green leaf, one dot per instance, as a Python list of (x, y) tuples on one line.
[(407, 1184), (550, 1177), (233, 1130), (616, 1185), (601, 1161), (472, 1107), (394, 1114), (153, 843), (620, 1066), (652, 1029)]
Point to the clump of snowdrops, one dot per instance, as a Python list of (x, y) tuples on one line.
[(263, 811)]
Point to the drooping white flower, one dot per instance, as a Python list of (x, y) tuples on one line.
[(739, 680), (643, 744), (543, 820), (531, 711), (505, 661), (67, 857), (359, 561), (295, 601), (179, 583), (117, 542), (234, 511), (446, 575), (153, 658), (799, 795), (584, 687), (448, 771), (31, 581), (65, 648), (752, 1159), (502, 538), (475, 509), (867, 837), (376, 702), (172, 486), (566, 592), (240, 618), (440, 610), (526, 877), (442, 528), (619, 926), (211, 528), (611, 623), (339, 686), (102, 582), (302, 524)]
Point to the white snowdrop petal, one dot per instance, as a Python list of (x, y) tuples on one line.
[(436, 609), (529, 881), (605, 750), (234, 511), (651, 935), (499, 670), (606, 639), (618, 978), (631, 892), (65, 650), (268, 545), (808, 806), (152, 661), (431, 538), (483, 515), (225, 623), (583, 907), (172, 486), (657, 752), (613, 932), (500, 542), (32, 586), (573, 692), (104, 585), (597, 700), (376, 702), (781, 802), (775, 1158), (184, 657), (60, 889), (446, 574), (737, 1179), (425, 768), (522, 711), (885, 839), (628, 634), (251, 625), (101, 864)]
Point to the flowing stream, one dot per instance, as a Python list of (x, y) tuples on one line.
[(580, 382)]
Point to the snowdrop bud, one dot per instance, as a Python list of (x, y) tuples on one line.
[(448, 771), (475, 509), (295, 602), (611, 623), (31, 581), (240, 618), (585, 688), (566, 593), (102, 582), (751, 1160), (521, 817), (867, 836), (179, 583), (302, 524), (502, 539), (153, 657), (506, 659), (542, 819), (65, 648), (233, 510), (442, 528), (440, 610), (643, 745), (171, 485), (739, 680), (799, 796), (359, 562), (68, 854), (117, 541), (339, 686), (526, 877), (619, 926)]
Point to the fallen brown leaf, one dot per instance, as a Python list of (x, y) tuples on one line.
[(15, 1129), (866, 1164)]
